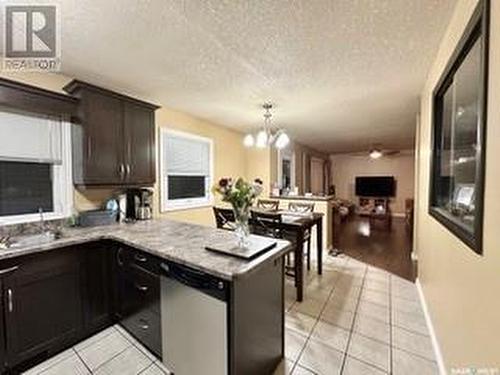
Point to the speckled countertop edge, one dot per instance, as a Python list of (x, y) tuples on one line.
[(178, 242)]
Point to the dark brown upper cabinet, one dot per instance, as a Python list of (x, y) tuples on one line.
[(114, 138), (33, 99)]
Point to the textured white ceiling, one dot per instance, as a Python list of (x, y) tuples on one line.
[(343, 74)]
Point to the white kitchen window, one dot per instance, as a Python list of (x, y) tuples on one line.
[(35, 167), (186, 170)]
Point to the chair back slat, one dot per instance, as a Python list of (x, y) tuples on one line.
[(301, 207), (268, 204), (267, 224), (224, 217)]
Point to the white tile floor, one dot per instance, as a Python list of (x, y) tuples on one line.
[(112, 351), (355, 320)]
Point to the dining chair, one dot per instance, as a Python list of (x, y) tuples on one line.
[(269, 224), (268, 204), (224, 217), (303, 207)]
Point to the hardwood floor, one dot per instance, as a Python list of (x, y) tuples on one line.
[(386, 249)]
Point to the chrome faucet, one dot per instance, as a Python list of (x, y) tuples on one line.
[(42, 221), (47, 229)]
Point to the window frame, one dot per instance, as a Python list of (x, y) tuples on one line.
[(478, 27), (169, 205), (62, 186)]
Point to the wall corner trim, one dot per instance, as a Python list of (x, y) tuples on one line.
[(430, 326)]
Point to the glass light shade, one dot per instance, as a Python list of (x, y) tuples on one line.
[(375, 154), (248, 141), (282, 141), (262, 138)]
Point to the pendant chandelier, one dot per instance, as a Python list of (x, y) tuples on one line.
[(267, 135)]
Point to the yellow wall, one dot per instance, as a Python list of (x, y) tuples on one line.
[(258, 165), (462, 289)]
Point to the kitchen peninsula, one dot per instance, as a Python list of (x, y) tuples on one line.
[(136, 275)]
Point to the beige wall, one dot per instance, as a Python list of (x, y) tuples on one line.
[(258, 165), (346, 167), (461, 288)]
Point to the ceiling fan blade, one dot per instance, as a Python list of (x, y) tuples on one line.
[(391, 152)]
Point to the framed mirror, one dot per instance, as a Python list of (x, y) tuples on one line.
[(459, 130)]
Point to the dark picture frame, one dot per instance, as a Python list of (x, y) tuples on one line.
[(477, 29)]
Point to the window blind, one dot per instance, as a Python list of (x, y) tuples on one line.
[(30, 138), (186, 156)]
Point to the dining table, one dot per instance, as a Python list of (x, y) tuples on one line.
[(298, 223)]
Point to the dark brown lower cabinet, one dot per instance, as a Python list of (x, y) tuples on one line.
[(52, 300), (138, 297), (42, 305), (3, 354), (97, 285)]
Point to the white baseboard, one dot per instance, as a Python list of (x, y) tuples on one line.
[(430, 326)]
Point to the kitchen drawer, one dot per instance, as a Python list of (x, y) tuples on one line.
[(145, 326), (127, 257), (139, 289)]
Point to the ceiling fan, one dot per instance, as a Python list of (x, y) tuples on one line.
[(376, 153)]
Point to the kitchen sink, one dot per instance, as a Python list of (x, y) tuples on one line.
[(30, 240)]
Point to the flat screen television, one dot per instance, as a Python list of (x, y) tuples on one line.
[(375, 186)]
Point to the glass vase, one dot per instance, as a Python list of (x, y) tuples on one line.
[(242, 229)]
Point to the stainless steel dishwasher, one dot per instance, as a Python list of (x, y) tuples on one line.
[(194, 321)]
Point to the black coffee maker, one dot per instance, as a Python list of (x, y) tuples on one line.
[(139, 204)]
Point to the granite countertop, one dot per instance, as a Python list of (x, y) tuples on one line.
[(305, 198), (178, 242)]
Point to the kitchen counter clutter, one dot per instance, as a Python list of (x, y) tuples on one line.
[(197, 310), (182, 243)]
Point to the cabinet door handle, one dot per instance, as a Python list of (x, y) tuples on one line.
[(8, 270), (142, 288), (140, 258), (10, 302), (121, 170), (89, 148), (127, 168), (143, 324), (119, 259)]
